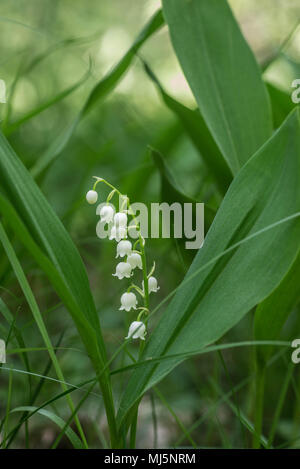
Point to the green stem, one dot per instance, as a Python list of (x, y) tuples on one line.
[(280, 403), (142, 344), (111, 417), (133, 429), (145, 277), (107, 183), (259, 405)]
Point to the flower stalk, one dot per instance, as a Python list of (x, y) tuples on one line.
[(131, 257)]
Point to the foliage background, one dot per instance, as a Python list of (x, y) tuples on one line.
[(112, 142)]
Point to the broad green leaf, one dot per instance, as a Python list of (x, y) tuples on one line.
[(59, 256), (223, 75), (281, 102), (75, 441), (272, 313), (194, 125), (250, 246), (99, 92)]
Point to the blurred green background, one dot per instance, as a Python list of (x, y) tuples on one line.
[(47, 46)]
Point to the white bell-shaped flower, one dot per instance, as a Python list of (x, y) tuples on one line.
[(120, 220), (128, 301), (123, 269), (124, 249), (135, 260), (118, 233), (92, 197), (107, 214), (2, 92), (152, 285), (137, 330)]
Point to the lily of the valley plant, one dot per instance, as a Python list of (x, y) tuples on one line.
[(133, 257)]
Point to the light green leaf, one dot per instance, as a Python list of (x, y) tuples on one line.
[(250, 246), (223, 75)]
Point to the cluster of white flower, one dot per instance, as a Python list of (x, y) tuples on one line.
[(118, 223)]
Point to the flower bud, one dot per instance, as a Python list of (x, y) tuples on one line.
[(106, 214), (92, 197), (135, 260), (123, 269), (137, 330), (128, 301), (124, 249)]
